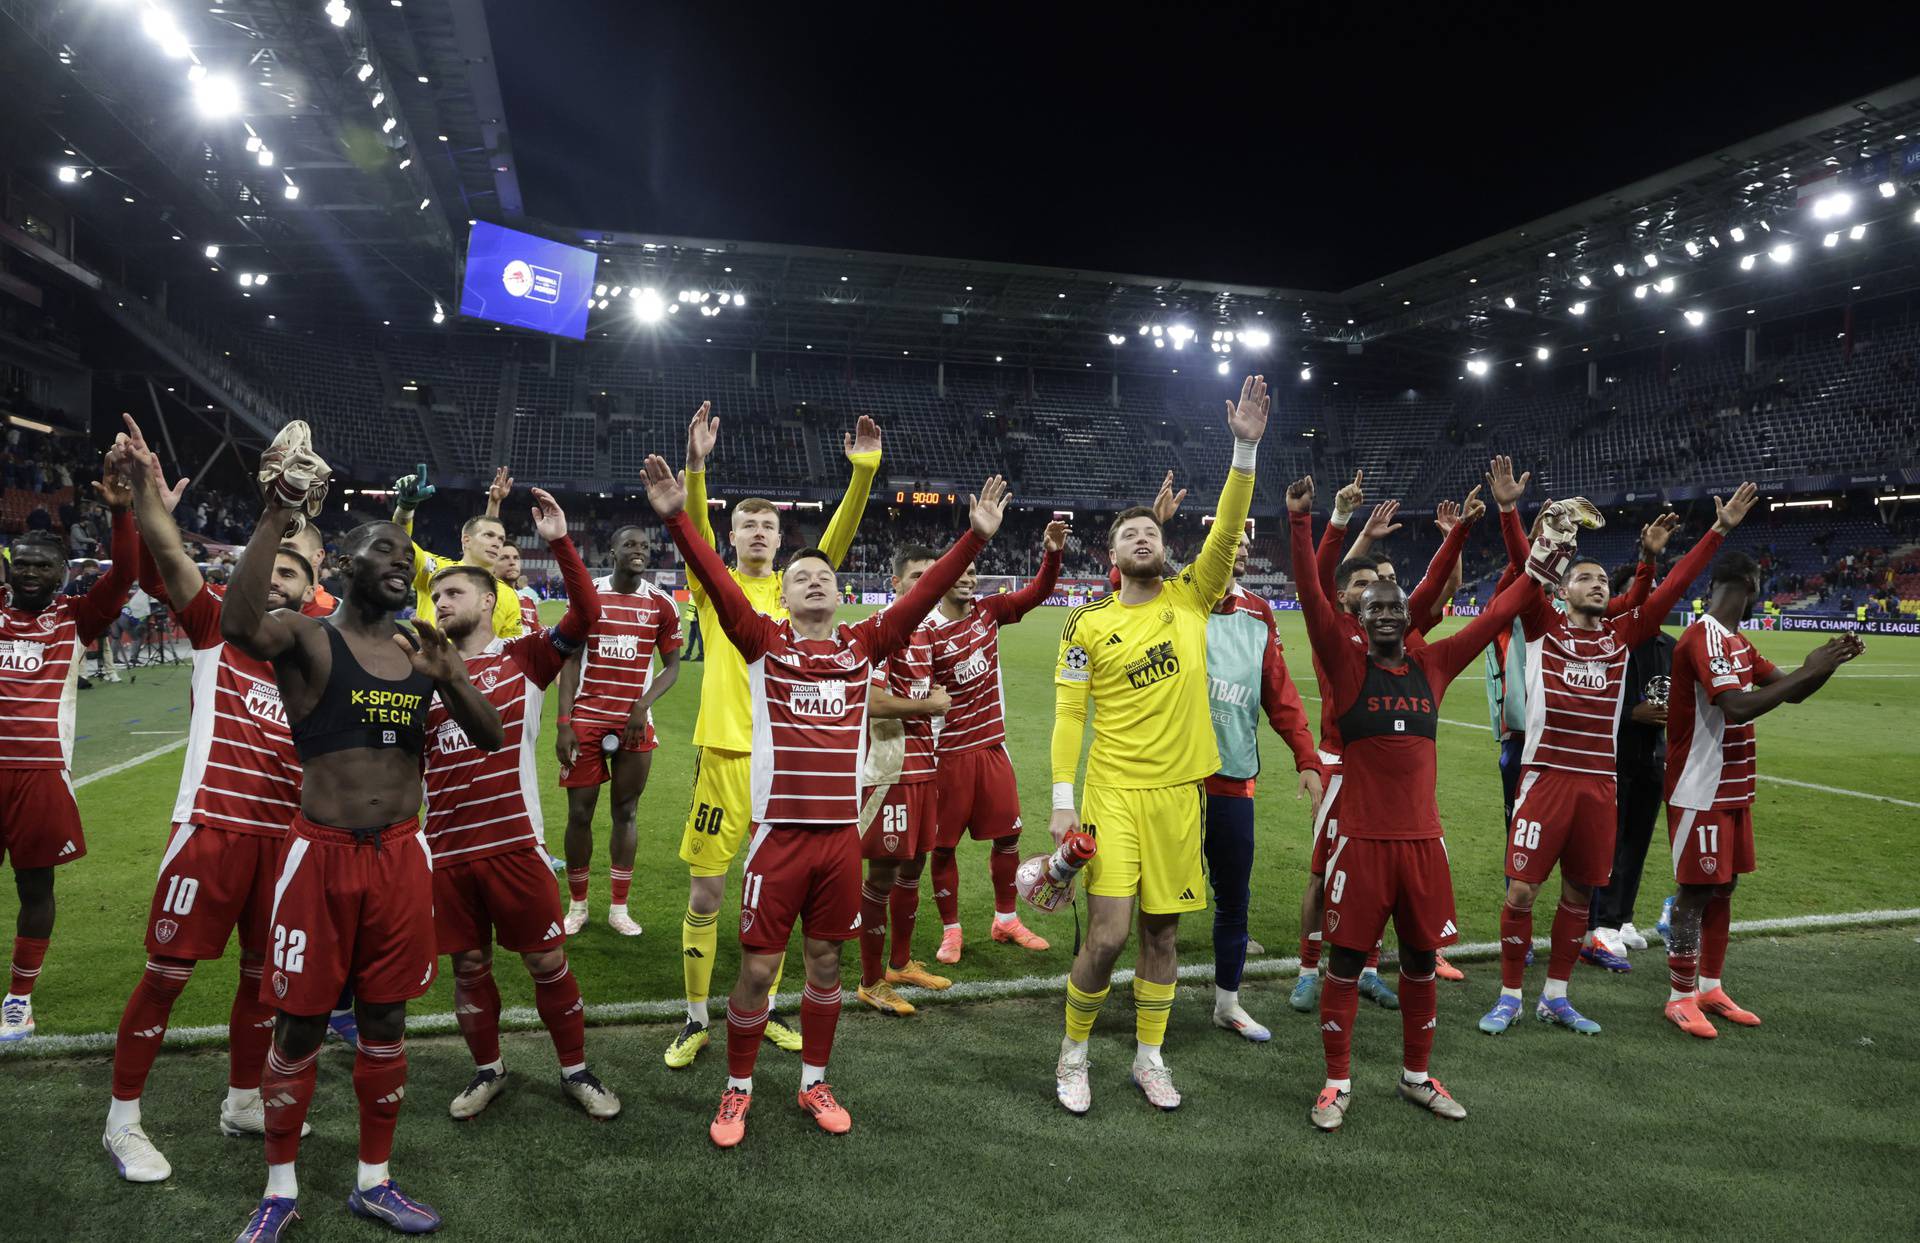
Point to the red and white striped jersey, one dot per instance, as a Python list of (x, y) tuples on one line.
[(966, 661), (900, 749), (616, 663), (40, 661), (529, 612), (1711, 761), (810, 725), (1576, 680), (241, 774), (482, 803)]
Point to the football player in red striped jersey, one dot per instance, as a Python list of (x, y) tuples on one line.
[(42, 637)]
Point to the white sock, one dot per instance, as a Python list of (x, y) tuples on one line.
[(1146, 1054), (741, 1085), (568, 1072), (955, 927), (122, 1113), (371, 1175), (1340, 1085), (697, 1012), (810, 1075), (1004, 917), (1510, 992), (574, 907), (1553, 989), (1709, 983), (1674, 994), (237, 1099), (1369, 973), (281, 1182), (1309, 973), (1069, 1045), (1413, 1076), (498, 1065), (1225, 999)]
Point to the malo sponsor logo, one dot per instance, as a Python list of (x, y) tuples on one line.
[(22, 656), (1586, 675), (450, 739), (263, 703), (823, 699), (617, 647), (967, 670), (1157, 665)]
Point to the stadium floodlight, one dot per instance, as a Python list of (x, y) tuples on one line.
[(1746, 263), (1651, 260), (1216, 334), (159, 27), (1542, 353), (1857, 232), (1477, 366), (1916, 215), (1831, 239), (1510, 302), (68, 173), (379, 97), (1738, 234), (1713, 241), (1783, 253), (364, 72), (424, 203), (599, 291), (1156, 330), (1224, 367), (1159, 343), (1888, 189), (1143, 330), (615, 291), (212, 252), (338, 13), (1619, 269), (1639, 291), (1696, 318), (265, 157), (253, 142), (1828, 206), (1578, 308), (1306, 373), (406, 164), (216, 95), (1665, 285), (1114, 338), (1693, 250), (386, 127), (246, 280), (1256, 338), (1586, 282), (649, 306), (1181, 334), (290, 191), (260, 280), (739, 300), (439, 312)]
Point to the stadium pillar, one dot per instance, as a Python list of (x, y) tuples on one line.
[(1593, 379), (753, 369), (940, 380), (1753, 339), (1113, 391)]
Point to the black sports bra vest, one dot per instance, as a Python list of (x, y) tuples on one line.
[(360, 710), (1392, 705)]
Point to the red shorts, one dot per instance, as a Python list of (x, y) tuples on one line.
[(347, 911), (896, 821), (1710, 847), (39, 821), (589, 768), (1371, 879), (212, 881), (509, 897), (1565, 818), (809, 876), (975, 792), (1326, 824)]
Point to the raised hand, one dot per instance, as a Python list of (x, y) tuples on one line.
[(1474, 509), (1248, 420), (1505, 490), (410, 490), (1729, 514), (1835, 652), (1380, 523), (1054, 538), (701, 433), (501, 485), (143, 466), (985, 510), (1300, 496), (1446, 516), (432, 654), (865, 437), (112, 487), (549, 520), (667, 492), (1166, 503), (1654, 536), (1351, 497)]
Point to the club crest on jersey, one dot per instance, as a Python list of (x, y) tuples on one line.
[(1709, 865), (45, 621), (1607, 644), (263, 702), (891, 841), (746, 922), (279, 984), (1586, 675), (23, 655), (827, 699), (487, 681), (1157, 665), (617, 647), (450, 739), (1519, 862), (1166, 617), (1333, 921), (164, 930)]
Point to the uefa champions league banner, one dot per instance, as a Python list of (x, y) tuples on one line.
[(1837, 625)]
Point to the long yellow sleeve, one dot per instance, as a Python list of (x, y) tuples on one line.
[(697, 510), (1213, 568), (846, 518), (1071, 680)]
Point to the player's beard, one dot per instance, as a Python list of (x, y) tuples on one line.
[(457, 629), (1144, 574)]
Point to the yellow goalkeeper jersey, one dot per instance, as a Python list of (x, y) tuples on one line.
[(725, 722), (1145, 666), (506, 601)]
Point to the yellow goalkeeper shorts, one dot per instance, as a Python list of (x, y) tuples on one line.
[(1149, 846), (721, 814)]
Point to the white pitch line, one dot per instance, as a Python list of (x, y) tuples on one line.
[(520, 1018), (1785, 781), (115, 769)]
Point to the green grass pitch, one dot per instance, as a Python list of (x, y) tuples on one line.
[(1804, 1127)]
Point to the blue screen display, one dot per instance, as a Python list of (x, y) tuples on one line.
[(528, 282)]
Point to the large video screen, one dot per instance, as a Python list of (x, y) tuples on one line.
[(527, 282)]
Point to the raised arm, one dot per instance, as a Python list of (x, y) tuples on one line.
[(1727, 516), (432, 653), (888, 630), (1212, 570), (701, 434), (1070, 682), (167, 571), (101, 606), (1424, 605), (245, 621), (1014, 605), (497, 491), (1456, 650), (1380, 524), (583, 599), (1778, 688), (750, 630), (1323, 624), (862, 447)]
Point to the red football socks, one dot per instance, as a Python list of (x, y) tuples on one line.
[(904, 905), (557, 997), (1310, 951), (1339, 1003), (287, 1092), (1715, 924), (144, 1022), (873, 934), (946, 886), (743, 1040), (1516, 938), (1419, 1016), (577, 884), (819, 1016), (28, 954), (1569, 930), (622, 879), (249, 1030), (380, 1082), (1003, 861), (476, 1008)]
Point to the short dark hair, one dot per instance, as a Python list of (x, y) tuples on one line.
[(622, 530), (1734, 567), (473, 524), (1351, 566), (1622, 578), (1128, 515), (485, 580), (288, 550), (907, 554), (46, 539), (1568, 573), (817, 554), (364, 532)]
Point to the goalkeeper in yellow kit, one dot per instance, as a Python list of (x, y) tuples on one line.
[(720, 818), (1141, 655)]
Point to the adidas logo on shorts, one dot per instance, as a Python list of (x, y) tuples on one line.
[(1186, 895), (68, 849), (553, 930)]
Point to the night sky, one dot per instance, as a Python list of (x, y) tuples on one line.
[(1314, 149)]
